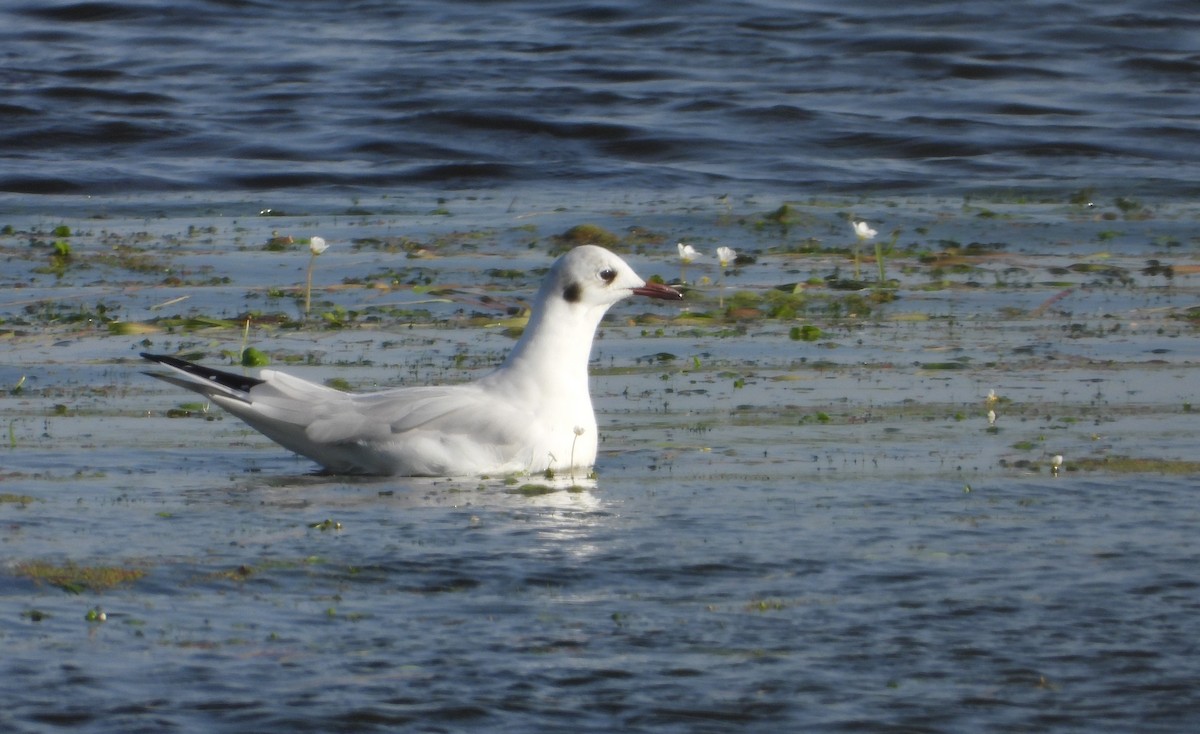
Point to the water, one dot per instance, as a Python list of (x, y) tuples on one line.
[(329, 101), (645, 605), (783, 535)]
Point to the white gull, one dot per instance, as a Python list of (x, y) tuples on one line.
[(532, 413)]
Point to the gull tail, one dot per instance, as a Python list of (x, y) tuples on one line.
[(204, 380)]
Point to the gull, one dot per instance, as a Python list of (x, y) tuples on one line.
[(531, 414)]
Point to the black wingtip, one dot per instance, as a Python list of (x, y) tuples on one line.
[(230, 380)]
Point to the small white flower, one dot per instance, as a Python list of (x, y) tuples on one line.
[(580, 430), (726, 255), (992, 397), (316, 246), (687, 253), (863, 231), (1056, 463), (991, 416)]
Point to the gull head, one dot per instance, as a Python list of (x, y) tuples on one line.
[(590, 277)]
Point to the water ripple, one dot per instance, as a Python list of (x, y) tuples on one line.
[(435, 95)]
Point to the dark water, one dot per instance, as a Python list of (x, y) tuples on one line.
[(645, 605), (365, 97)]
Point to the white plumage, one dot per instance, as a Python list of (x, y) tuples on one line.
[(532, 413)]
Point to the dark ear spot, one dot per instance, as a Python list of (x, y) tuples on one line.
[(572, 293)]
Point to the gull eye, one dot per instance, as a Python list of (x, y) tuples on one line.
[(608, 275)]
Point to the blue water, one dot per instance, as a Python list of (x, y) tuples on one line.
[(739, 564), (648, 604), (337, 99)]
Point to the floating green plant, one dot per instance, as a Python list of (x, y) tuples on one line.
[(60, 259), (252, 357), (249, 356), (187, 410), (807, 333), (533, 490), (785, 217), (279, 243), (1135, 465), (941, 366), (77, 579), (584, 234), (766, 605), (131, 328), (1083, 197)]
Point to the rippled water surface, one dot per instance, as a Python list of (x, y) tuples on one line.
[(331, 99), (823, 535), (802, 519)]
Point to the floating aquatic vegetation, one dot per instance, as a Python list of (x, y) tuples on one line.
[(389, 244), (76, 579), (192, 323), (60, 259), (533, 490), (252, 357), (766, 605), (1109, 273), (584, 234), (960, 364), (1137, 465), (1154, 267), (807, 333), (279, 243), (785, 217)]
